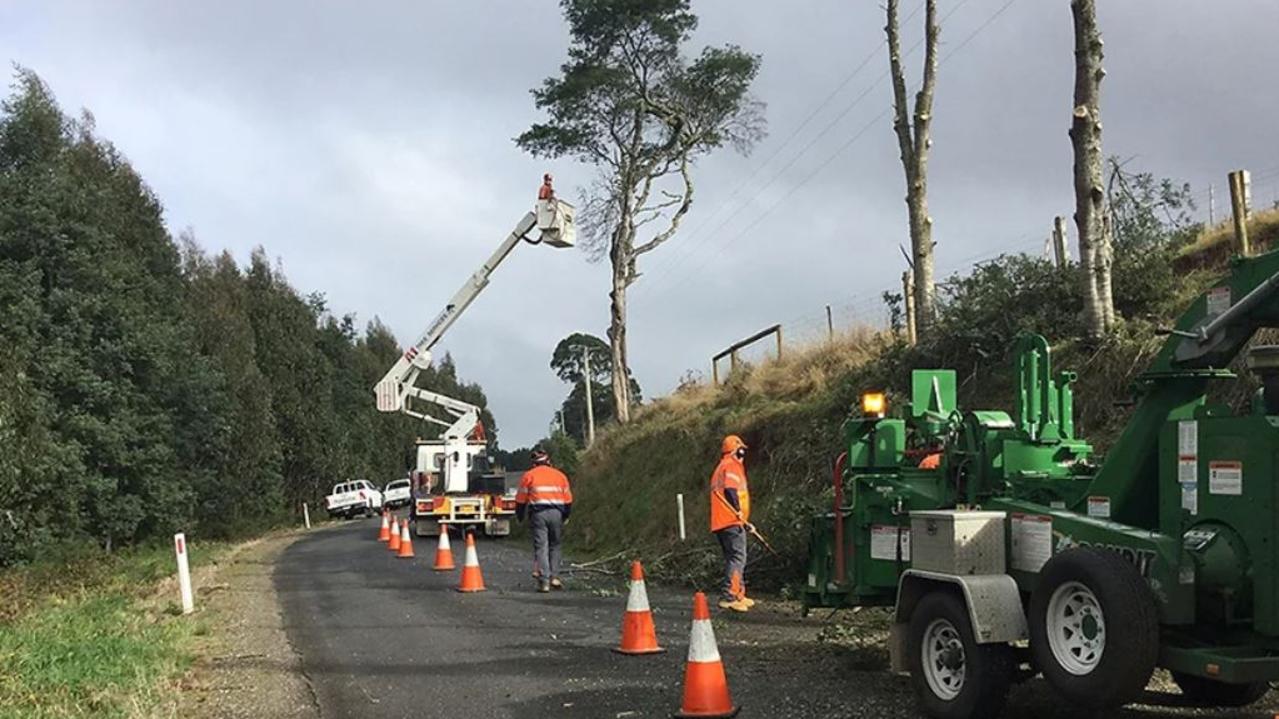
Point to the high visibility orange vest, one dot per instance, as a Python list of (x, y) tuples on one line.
[(730, 474), (544, 486)]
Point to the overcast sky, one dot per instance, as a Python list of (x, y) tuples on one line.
[(368, 145)]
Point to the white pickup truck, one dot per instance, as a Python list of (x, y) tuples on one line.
[(398, 493), (351, 498)]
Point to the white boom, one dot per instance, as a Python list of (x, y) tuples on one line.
[(397, 391)]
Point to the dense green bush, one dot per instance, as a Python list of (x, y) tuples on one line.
[(146, 386)]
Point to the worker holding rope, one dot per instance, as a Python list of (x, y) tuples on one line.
[(730, 521)]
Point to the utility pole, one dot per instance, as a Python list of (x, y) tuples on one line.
[(590, 405)]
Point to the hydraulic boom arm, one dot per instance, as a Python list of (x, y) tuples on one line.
[(397, 390)]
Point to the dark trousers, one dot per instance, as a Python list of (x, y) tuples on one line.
[(732, 541)]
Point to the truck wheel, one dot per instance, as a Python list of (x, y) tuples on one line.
[(954, 676), (1094, 632), (1210, 692)]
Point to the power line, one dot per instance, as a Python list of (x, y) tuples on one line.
[(669, 259), (731, 237), (691, 247)]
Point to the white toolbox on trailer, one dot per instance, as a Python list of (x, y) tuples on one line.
[(956, 541)]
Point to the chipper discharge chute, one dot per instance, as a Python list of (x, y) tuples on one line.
[(1007, 548)]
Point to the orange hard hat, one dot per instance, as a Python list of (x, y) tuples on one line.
[(731, 444)]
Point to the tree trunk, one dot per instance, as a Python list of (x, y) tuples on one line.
[(620, 261), (1105, 261), (617, 346), (914, 141), (1090, 194)]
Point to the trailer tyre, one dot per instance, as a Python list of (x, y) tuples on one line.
[(1210, 692), (1094, 631), (954, 676)]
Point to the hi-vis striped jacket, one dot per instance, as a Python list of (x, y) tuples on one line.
[(544, 486)]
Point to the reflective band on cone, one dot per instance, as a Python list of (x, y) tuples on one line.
[(406, 541), (443, 552), (472, 579), (384, 534), (705, 686), (394, 544), (638, 633)]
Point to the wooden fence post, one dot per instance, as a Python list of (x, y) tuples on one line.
[(1059, 241), (830, 325), (1240, 189), (779, 342)]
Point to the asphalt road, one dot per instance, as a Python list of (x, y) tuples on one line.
[(385, 637)]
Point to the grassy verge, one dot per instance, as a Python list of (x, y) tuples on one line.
[(95, 636)]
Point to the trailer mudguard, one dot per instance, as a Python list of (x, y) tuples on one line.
[(993, 601)]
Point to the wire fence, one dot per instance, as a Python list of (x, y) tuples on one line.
[(867, 310)]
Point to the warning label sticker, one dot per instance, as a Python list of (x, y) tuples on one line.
[(1099, 507), (1032, 541), (1188, 470), (1225, 477), (1188, 438), (1218, 300), (1190, 497), (883, 542)]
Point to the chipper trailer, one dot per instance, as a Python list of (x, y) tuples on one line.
[(1006, 548), (465, 496)]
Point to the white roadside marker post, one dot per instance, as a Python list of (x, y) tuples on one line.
[(306, 515), (184, 573), (679, 503)]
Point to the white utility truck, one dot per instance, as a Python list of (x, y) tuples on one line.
[(397, 493), (452, 486), (351, 498)]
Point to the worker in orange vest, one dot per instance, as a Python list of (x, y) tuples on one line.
[(547, 190), (730, 520), (545, 498)]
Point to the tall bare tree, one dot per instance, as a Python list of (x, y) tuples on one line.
[(915, 140), (1091, 219), (630, 103)]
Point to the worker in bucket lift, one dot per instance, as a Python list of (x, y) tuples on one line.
[(730, 520), (545, 498)]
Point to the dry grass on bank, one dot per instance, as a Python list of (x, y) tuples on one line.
[(803, 370), (1215, 244)]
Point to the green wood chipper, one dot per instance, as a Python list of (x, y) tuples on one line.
[(1006, 548)]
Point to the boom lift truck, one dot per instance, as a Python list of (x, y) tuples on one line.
[(1013, 550), (464, 496)]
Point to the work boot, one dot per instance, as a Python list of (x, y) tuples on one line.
[(543, 587), (556, 583), (735, 605), (747, 601)]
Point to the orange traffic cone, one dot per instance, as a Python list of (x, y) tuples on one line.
[(394, 544), (472, 579), (638, 634), (406, 541), (705, 687), (384, 534), (443, 552)]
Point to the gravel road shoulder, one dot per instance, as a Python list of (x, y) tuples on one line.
[(245, 666)]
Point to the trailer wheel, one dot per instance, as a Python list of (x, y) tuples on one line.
[(1094, 632), (1210, 692), (954, 676)]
